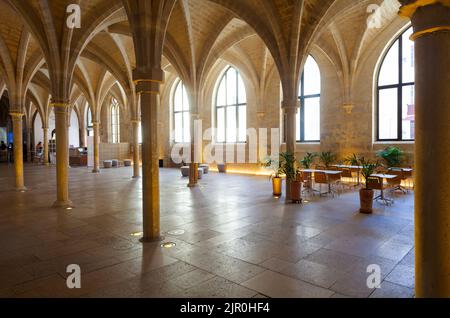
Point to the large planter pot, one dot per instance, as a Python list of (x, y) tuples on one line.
[(277, 185), (222, 167), (296, 191), (366, 200)]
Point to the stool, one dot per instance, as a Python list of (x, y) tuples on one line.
[(205, 168), (200, 173), (221, 167), (107, 164), (115, 163), (127, 163), (185, 171)]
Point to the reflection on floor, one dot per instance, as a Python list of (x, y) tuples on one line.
[(238, 240)]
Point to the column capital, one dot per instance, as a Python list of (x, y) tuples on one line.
[(147, 86), (428, 17), (290, 107), (16, 115), (409, 7), (135, 121), (59, 107)]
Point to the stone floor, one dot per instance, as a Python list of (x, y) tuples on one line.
[(238, 240)]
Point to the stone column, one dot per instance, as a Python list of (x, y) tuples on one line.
[(45, 150), (149, 91), (136, 157), (96, 147), (83, 136), (193, 166), (18, 149), (290, 110), (432, 145), (62, 155), (29, 144)]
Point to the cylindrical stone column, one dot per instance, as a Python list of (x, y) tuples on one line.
[(18, 149), (62, 156), (136, 157), (432, 146), (29, 144), (96, 127), (45, 150), (194, 164), (290, 114), (149, 98)]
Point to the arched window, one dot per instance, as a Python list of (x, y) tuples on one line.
[(89, 124), (181, 114), (231, 108), (395, 92), (308, 118), (115, 120)]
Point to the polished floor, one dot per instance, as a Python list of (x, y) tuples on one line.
[(233, 239)]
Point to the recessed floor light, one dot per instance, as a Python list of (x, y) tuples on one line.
[(69, 208), (168, 244), (136, 234), (176, 232)]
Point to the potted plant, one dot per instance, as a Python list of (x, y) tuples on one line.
[(352, 160), (306, 163), (392, 156), (308, 160), (366, 194), (289, 167), (275, 176), (327, 158)]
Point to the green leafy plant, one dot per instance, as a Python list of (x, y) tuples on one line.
[(352, 160), (288, 165), (368, 168), (393, 156), (327, 158), (308, 160), (274, 165)]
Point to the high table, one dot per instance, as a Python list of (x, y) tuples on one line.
[(354, 168), (383, 176), (327, 172)]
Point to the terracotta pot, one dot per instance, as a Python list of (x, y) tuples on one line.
[(296, 191), (222, 167), (277, 185), (366, 200)]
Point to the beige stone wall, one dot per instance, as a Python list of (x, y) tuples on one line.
[(119, 151), (343, 131)]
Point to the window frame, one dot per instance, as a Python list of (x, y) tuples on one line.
[(182, 112), (302, 98), (89, 124), (115, 121), (224, 107), (399, 86)]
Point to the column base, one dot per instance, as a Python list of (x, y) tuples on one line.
[(21, 189), (151, 240), (62, 204), (135, 177), (193, 185), (95, 170)]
